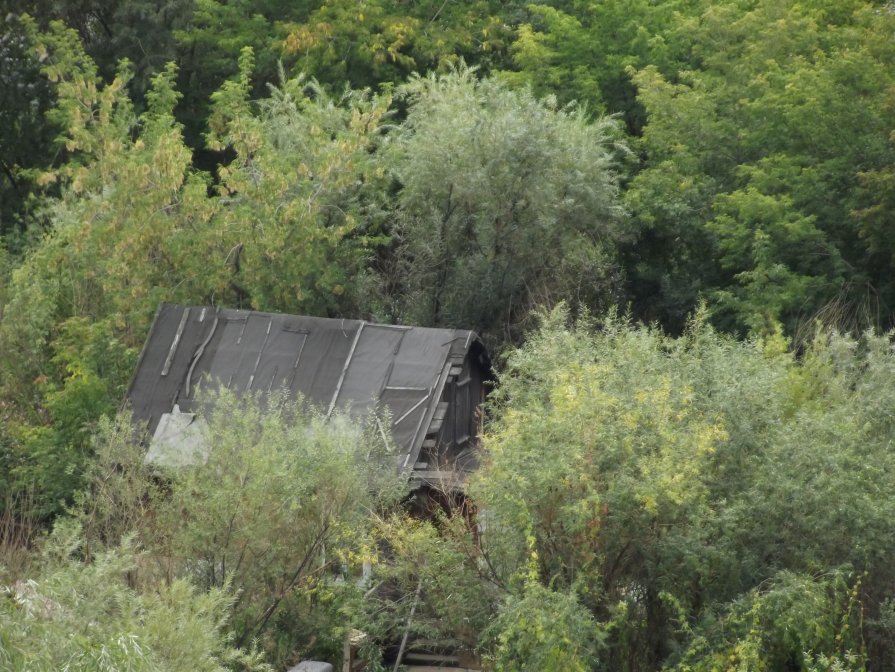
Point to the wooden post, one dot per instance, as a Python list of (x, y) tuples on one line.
[(353, 641)]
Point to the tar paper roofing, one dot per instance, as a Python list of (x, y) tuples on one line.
[(333, 363)]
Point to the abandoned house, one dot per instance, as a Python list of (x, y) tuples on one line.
[(431, 380)]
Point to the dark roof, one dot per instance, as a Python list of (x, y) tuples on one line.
[(332, 363)]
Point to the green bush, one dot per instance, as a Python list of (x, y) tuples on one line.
[(677, 487), (86, 616), (280, 513)]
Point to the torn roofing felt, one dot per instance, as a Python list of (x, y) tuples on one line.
[(332, 363)]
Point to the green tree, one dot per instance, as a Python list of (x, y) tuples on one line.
[(793, 621), (699, 497), (378, 42), (104, 258), (301, 201), (580, 51), (505, 201), (371, 44), (208, 48), (26, 138), (291, 226), (85, 616), (757, 149), (139, 31), (544, 629), (111, 30)]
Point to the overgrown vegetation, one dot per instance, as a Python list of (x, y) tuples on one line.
[(707, 501), (709, 492), (258, 548)]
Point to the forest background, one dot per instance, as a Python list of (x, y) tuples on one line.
[(708, 492)]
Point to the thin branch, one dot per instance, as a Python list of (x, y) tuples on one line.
[(292, 581), (435, 15), (416, 600), (9, 174)]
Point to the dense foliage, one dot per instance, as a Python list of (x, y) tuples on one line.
[(704, 499), (259, 545), (85, 616), (710, 492), (506, 202)]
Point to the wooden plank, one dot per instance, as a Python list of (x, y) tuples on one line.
[(441, 410), (449, 479), (438, 473), (173, 349), (332, 404), (431, 657), (438, 668), (417, 442)]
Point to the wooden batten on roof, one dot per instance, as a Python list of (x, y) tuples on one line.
[(431, 380)]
